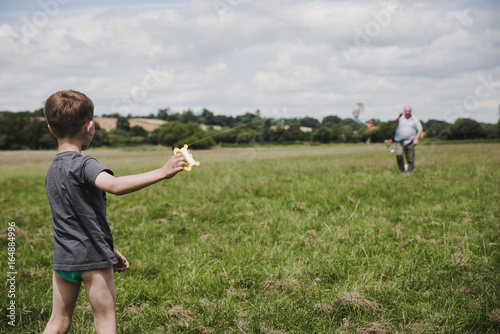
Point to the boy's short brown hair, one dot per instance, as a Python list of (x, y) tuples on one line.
[(67, 111)]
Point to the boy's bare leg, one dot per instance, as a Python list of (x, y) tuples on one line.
[(100, 289), (64, 296)]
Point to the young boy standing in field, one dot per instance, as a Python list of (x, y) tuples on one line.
[(76, 187)]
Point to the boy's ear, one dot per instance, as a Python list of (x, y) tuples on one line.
[(52, 132), (88, 126)]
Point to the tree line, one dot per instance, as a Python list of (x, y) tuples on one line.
[(28, 130)]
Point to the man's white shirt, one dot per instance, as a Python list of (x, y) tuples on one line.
[(407, 129)]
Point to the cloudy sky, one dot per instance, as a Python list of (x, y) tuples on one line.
[(287, 58)]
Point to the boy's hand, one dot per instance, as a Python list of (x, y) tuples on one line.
[(174, 165), (122, 264)]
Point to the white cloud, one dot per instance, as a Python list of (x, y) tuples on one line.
[(267, 55)]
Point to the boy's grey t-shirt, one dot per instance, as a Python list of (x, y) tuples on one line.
[(82, 237)]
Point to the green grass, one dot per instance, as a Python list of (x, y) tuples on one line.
[(282, 240)]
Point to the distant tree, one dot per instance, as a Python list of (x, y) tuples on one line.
[(336, 132), (163, 114), (47, 141), (383, 131), (101, 137), (223, 120), (331, 120), (122, 123), (153, 136), (294, 133), (115, 115), (21, 130), (429, 123), (247, 136), (310, 122), (306, 136), (355, 126), (138, 131), (197, 139), (189, 117), (173, 117), (363, 134), (170, 133), (341, 133), (207, 117), (4, 141), (176, 134), (466, 128), (266, 135), (5, 114), (226, 135), (268, 122), (33, 130), (246, 118), (322, 135), (12, 129), (490, 130), (38, 113), (498, 128), (438, 130), (288, 121), (118, 137)]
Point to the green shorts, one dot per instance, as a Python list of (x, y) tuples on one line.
[(72, 276)]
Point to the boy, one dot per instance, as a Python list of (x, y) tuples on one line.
[(76, 187)]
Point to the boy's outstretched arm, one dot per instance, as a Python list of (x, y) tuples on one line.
[(126, 184)]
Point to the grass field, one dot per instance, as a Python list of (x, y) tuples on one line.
[(280, 240)]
